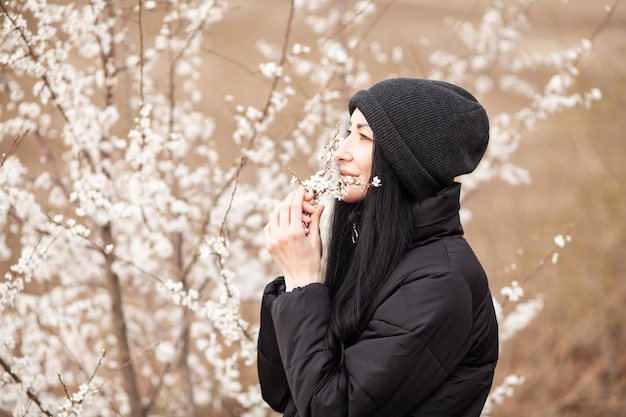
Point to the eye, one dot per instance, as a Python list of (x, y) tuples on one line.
[(362, 136)]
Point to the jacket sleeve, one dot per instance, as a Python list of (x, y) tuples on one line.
[(415, 339), (274, 388)]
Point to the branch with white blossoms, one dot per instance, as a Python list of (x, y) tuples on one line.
[(325, 182), (494, 58), (328, 181), (16, 143), (501, 392), (225, 313), (514, 292), (32, 396), (73, 405), (551, 256), (517, 320), (522, 314)]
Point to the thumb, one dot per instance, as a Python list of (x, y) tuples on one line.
[(314, 226)]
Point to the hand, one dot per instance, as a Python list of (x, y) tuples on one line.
[(307, 210), (292, 236)]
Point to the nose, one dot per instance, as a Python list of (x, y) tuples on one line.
[(343, 154)]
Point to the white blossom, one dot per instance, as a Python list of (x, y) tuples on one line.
[(501, 392), (520, 317), (514, 292), (559, 240)]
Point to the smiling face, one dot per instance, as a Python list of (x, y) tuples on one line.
[(354, 156)]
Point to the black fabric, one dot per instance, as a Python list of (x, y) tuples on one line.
[(429, 131), (430, 348)]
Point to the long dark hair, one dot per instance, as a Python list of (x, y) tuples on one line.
[(367, 240)]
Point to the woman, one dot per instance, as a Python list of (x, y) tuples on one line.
[(402, 321)]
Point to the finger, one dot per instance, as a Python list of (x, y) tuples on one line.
[(296, 208), (308, 208), (272, 224), (316, 216), (314, 226), (284, 212), (306, 224), (274, 219), (309, 195)]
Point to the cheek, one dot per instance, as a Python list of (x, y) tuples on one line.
[(366, 161)]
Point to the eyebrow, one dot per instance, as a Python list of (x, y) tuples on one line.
[(360, 125)]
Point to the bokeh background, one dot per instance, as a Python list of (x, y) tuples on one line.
[(573, 355)]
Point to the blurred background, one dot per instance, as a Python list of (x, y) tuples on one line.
[(573, 355)]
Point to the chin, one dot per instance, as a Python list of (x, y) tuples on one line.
[(354, 196)]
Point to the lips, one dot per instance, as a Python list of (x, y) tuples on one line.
[(348, 174)]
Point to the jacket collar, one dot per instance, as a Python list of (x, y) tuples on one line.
[(437, 217)]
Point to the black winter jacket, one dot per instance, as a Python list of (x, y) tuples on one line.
[(430, 348)]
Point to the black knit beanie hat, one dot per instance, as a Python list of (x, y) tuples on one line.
[(429, 131)]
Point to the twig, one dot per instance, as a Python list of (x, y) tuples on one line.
[(540, 265), (544, 260), (243, 159), (16, 143), (31, 395), (607, 18), (230, 296), (73, 401), (376, 19), (231, 60), (35, 57), (61, 341)]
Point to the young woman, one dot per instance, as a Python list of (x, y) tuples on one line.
[(401, 321)]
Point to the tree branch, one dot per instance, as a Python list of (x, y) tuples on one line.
[(16, 143), (31, 395), (129, 379), (607, 18)]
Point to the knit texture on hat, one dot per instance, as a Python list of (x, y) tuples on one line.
[(429, 131)]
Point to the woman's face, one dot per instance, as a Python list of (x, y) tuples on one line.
[(354, 156)]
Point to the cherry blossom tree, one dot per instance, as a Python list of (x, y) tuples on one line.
[(130, 216)]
